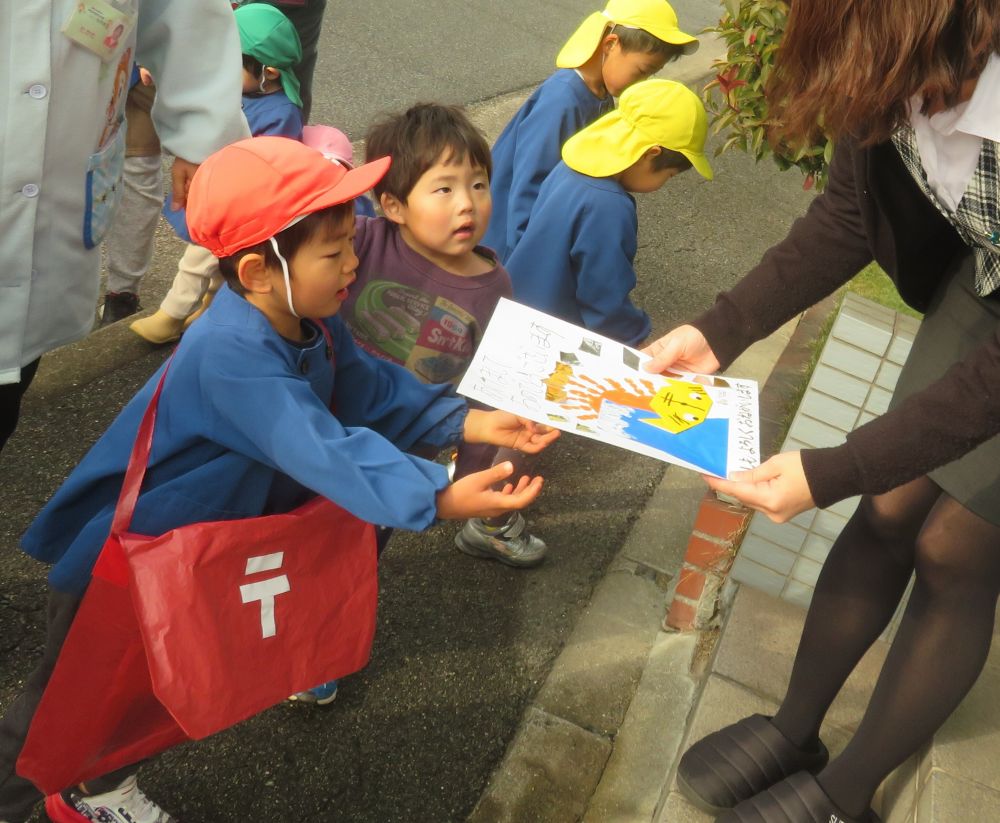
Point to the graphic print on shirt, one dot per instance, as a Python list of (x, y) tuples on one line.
[(431, 336)]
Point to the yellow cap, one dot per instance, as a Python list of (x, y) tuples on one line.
[(654, 16), (650, 113)]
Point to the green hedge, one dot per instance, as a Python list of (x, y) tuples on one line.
[(735, 98)]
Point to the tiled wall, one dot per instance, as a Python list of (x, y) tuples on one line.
[(852, 383)]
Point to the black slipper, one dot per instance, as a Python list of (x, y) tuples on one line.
[(798, 799), (742, 760)]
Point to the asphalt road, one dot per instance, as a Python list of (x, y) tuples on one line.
[(462, 644), (385, 54)]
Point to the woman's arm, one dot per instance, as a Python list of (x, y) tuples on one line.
[(823, 250)]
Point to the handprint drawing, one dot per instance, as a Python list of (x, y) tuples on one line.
[(675, 407)]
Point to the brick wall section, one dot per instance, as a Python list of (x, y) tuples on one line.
[(718, 529)]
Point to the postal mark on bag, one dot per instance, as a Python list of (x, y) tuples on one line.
[(265, 591)]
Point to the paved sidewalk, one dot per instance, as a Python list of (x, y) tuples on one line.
[(955, 777)]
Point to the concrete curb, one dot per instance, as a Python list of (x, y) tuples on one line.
[(719, 526)]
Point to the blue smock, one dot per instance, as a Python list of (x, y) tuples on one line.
[(244, 428), (530, 147), (575, 260)]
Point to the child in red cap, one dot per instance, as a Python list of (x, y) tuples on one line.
[(244, 423)]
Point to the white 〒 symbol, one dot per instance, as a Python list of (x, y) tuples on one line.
[(265, 590)]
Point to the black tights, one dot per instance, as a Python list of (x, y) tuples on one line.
[(939, 649)]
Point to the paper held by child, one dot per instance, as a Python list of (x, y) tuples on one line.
[(552, 372)]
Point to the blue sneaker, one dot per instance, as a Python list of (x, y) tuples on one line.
[(321, 695)]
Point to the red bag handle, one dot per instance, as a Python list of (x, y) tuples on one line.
[(138, 460)]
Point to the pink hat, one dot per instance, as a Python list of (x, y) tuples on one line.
[(332, 143)]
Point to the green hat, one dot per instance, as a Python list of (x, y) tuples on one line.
[(650, 113), (268, 36)]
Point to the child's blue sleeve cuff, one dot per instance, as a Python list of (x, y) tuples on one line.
[(449, 431)]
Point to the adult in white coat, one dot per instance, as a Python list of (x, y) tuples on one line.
[(62, 147)]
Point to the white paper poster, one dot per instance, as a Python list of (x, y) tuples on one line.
[(567, 377)]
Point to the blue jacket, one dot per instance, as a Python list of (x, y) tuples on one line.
[(530, 147), (272, 114), (575, 258), (267, 114), (244, 428)]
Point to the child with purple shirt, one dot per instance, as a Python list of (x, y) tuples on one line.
[(425, 288)]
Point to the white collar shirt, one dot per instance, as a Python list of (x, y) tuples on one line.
[(950, 141)]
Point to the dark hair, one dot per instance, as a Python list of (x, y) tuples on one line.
[(851, 66), (641, 40), (670, 159), (416, 139), (253, 65), (289, 241)]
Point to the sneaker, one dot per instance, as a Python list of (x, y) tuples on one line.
[(318, 695), (126, 804), (117, 306), (510, 544)]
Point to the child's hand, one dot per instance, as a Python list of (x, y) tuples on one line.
[(181, 174), (505, 429), (474, 496), (683, 349)]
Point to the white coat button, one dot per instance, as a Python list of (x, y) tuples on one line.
[(38, 91), (29, 190)]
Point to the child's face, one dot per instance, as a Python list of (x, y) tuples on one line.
[(622, 69), (641, 177), (320, 271), (446, 213), (251, 84)]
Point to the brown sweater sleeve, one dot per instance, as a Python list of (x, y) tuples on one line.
[(823, 250), (933, 427)]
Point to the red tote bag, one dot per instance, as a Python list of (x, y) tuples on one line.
[(182, 635)]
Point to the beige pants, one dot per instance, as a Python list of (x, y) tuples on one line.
[(197, 273)]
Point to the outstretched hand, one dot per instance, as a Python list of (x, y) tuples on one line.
[(683, 349), (505, 429), (474, 495), (778, 487)]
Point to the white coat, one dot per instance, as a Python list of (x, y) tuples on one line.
[(62, 144)]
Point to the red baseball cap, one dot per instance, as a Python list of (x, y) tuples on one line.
[(249, 191)]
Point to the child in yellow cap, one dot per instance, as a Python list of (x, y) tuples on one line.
[(612, 49), (575, 259)]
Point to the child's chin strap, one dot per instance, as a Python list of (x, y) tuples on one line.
[(284, 270)]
